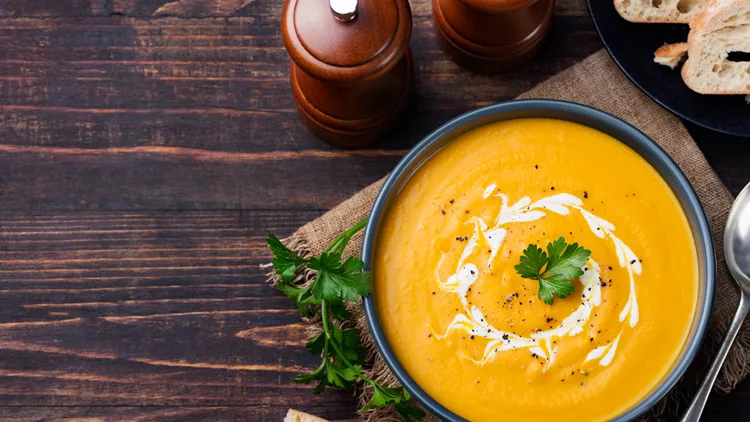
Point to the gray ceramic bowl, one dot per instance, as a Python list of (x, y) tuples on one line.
[(587, 116)]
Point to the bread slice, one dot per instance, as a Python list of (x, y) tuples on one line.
[(723, 27), (296, 416), (671, 55), (659, 11)]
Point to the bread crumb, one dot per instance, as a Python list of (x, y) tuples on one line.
[(671, 55)]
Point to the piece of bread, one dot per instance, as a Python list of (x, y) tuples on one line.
[(296, 416), (659, 11), (723, 27), (671, 55)]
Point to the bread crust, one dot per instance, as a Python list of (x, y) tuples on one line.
[(700, 22), (297, 416)]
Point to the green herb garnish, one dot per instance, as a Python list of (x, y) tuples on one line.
[(555, 269), (335, 283)]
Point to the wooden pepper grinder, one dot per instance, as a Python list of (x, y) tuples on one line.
[(491, 36), (351, 70)]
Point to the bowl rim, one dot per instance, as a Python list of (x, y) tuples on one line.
[(691, 201)]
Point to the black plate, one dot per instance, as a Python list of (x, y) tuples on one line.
[(632, 46)]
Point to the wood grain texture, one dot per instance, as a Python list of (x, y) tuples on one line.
[(143, 156), (195, 77), (194, 8), (197, 8), (176, 301), (161, 414)]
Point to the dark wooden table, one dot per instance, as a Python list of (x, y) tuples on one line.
[(145, 147)]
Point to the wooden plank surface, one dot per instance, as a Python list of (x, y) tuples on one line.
[(143, 155), (131, 310)]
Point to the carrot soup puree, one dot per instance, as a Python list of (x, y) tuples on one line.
[(536, 270)]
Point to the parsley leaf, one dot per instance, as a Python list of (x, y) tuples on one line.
[(316, 344), (532, 262), (352, 344), (568, 265), (285, 261), (341, 375), (301, 296), (554, 286), (339, 311), (554, 269), (384, 396), (408, 412), (317, 375), (399, 398), (336, 281)]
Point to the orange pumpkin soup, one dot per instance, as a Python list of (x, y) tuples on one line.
[(475, 335)]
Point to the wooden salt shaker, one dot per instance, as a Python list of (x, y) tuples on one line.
[(351, 70), (491, 36)]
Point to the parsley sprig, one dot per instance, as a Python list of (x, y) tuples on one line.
[(555, 270), (335, 283)]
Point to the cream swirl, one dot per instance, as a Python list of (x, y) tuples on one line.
[(540, 343)]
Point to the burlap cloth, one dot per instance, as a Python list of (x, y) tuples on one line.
[(597, 82)]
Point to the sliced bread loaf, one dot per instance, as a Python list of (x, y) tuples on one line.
[(718, 35), (659, 11)]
